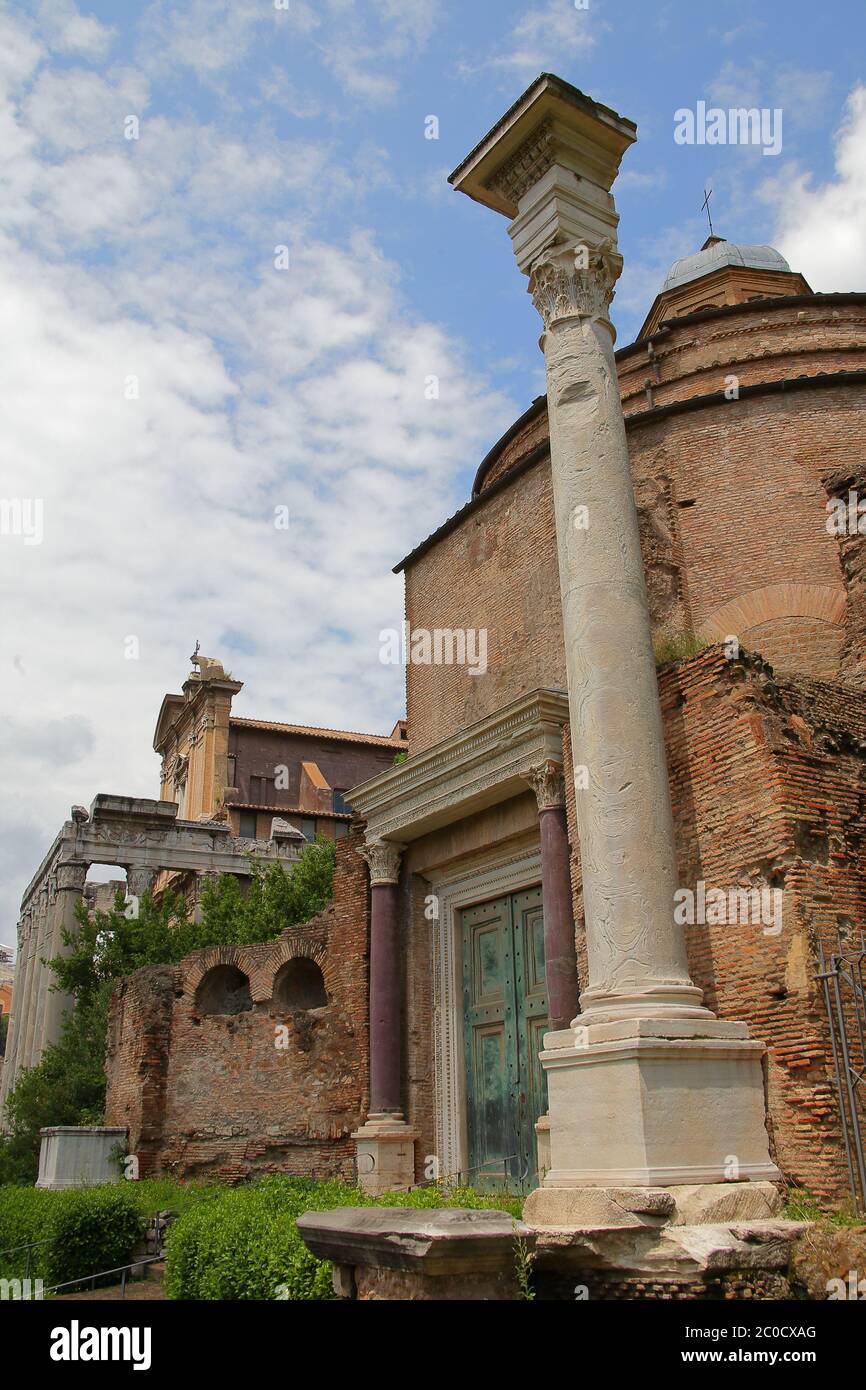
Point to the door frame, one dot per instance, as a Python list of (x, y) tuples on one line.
[(496, 877)]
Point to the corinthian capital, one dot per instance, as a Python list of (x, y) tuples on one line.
[(383, 858), (547, 781), (71, 875), (573, 279)]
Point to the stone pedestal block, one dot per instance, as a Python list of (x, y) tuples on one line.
[(652, 1103), (385, 1154), (78, 1156)]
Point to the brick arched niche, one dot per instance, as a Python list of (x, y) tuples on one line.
[(223, 975), (300, 976), (795, 627), (224, 989)]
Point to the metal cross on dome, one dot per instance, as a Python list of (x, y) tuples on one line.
[(706, 205)]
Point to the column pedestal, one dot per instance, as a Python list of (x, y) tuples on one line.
[(385, 1154), (652, 1103)]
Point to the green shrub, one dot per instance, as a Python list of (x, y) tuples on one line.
[(678, 646), (76, 1233), (244, 1244)]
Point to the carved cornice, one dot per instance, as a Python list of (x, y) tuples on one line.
[(547, 781), (572, 280), (383, 859), (479, 767), (527, 165)]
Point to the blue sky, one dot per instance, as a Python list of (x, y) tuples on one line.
[(169, 387)]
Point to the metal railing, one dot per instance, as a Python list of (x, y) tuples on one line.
[(122, 1270), (844, 988)]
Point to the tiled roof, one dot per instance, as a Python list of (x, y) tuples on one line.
[(378, 740)]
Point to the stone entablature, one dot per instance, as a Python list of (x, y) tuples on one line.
[(479, 767)]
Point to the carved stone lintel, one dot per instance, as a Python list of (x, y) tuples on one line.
[(383, 858), (548, 783), (573, 280)]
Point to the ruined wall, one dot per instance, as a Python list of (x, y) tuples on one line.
[(768, 779), (211, 1093)]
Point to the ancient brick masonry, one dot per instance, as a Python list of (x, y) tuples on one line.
[(211, 1093), (769, 789)]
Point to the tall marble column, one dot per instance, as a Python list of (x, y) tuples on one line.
[(19, 995), (68, 888), (642, 1031), (560, 957), (385, 1143), (37, 983)]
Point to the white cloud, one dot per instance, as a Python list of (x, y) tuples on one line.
[(152, 261), (541, 40), (821, 228), (67, 30)]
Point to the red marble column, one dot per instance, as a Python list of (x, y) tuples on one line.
[(385, 1031), (384, 1002), (560, 957)]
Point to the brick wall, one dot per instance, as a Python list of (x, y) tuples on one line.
[(768, 780), (732, 504), (213, 1094), (497, 571)]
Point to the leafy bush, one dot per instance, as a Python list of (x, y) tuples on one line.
[(75, 1233), (244, 1244)]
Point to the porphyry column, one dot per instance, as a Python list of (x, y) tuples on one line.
[(647, 1087), (385, 1147), (560, 958)]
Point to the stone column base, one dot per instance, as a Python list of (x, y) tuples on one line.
[(385, 1154), (651, 1103), (650, 1208)]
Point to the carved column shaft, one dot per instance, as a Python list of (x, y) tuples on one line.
[(69, 886), (19, 995), (636, 953)]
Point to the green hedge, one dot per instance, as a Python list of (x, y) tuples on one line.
[(77, 1233), (244, 1244)]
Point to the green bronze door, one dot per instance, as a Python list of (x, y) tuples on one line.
[(505, 1015)]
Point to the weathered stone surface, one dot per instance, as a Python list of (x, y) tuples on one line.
[(444, 1241)]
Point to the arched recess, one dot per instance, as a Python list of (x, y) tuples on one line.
[(824, 602), (301, 948), (299, 984), (223, 990)]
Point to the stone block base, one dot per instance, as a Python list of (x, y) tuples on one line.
[(385, 1155), (78, 1156), (655, 1103)]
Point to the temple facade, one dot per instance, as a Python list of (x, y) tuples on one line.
[(622, 848)]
